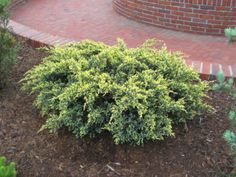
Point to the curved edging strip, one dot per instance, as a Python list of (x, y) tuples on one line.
[(35, 38)]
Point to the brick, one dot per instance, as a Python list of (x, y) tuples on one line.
[(204, 16), (226, 70), (198, 66), (207, 7), (205, 74)]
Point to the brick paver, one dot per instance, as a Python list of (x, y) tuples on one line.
[(59, 21)]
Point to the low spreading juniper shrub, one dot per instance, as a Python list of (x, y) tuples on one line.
[(136, 94)]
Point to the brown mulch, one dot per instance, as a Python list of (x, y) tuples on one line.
[(200, 152)]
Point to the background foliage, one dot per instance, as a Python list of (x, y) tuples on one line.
[(8, 44), (136, 94), (228, 86)]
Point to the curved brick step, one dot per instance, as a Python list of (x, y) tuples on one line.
[(35, 38)]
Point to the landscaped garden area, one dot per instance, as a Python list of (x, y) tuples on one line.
[(103, 106)]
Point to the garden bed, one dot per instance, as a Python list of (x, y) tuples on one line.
[(199, 152)]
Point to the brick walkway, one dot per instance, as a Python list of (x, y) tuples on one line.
[(60, 21)]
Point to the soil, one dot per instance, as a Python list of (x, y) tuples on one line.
[(200, 152)]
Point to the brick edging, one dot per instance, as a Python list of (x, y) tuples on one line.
[(208, 70), (35, 38)]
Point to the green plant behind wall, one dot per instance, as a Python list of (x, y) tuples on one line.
[(231, 34), (7, 170)]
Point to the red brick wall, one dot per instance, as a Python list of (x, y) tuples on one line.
[(198, 16)]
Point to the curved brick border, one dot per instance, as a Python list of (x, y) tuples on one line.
[(36, 38), (198, 16)]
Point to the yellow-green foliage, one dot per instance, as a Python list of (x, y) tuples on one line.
[(136, 94)]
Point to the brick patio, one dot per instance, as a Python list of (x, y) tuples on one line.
[(58, 21)]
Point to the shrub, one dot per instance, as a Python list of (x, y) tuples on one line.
[(225, 85), (8, 44), (136, 94), (7, 170)]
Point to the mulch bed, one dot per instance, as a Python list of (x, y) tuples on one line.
[(200, 152)]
